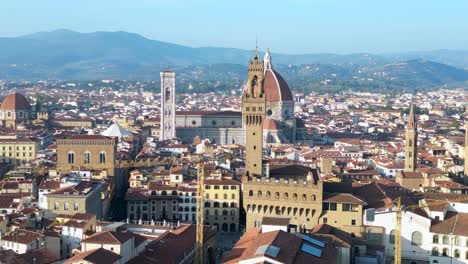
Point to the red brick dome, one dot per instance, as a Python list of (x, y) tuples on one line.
[(276, 88), (15, 102), (270, 124)]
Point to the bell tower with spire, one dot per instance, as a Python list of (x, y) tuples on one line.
[(411, 146), (253, 115)]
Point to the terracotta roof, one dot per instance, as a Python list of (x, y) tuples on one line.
[(276, 88), (411, 174), (40, 256), (171, 246), (15, 102), (22, 236), (109, 237), (342, 198), (276, 221), (96, 256)]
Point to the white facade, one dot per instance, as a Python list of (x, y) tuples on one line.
[(413, 225), (188, 204), (167, 105)]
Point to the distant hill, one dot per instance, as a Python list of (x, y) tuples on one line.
[(69, 55)]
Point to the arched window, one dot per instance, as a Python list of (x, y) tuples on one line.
[(457, 241), (435, 239), (304, 197), (416, 238), (313, 197), (286, 196), (435, 252), (87, 157), (392, 237), (71, 157), (295, 196), (163, 193), (445, 240), (456, 253), (268, 194), (250, 193), (445, 252), (277, 196), (102, 157), (259, 193)]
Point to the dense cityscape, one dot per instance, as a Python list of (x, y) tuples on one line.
[(233, 132), (118, 173)]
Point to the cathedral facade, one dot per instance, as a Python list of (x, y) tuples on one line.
[(226, 127)]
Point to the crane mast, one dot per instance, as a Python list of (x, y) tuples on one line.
[(200, 212), (398, 232)]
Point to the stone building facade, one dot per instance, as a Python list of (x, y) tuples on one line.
[(293, 192), (92, 152), (86, 197)]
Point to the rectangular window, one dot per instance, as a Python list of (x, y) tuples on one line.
[(233, 187), (346, 207), (216, 187), (353, 222), (233, 196), (225, 187), (325, 220), (207, 187), (326, 206), (332, 207)]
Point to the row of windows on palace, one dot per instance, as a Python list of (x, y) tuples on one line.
[(66, 206), (20, 114), (86, 157), (103, 142), (17, 148), (17, 154), (207, 187), (313, 197)]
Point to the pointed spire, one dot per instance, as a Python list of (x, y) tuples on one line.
[(412, 119)]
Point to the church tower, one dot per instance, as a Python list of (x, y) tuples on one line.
[(253, 115), (411, 152), (167, 105)]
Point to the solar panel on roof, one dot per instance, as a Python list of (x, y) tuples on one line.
[(272, 251), (311, 250), (261, 250), (313, 241), (267, 250)]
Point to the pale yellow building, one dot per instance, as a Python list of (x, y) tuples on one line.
[(222, 204), (18, 151)]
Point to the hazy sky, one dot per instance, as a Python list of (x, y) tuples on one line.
[(290, 26)]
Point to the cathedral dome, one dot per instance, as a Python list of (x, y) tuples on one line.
[(15, 102), (276, 88), (270, 124)]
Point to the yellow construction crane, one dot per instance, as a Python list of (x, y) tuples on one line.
[(200, 212), (398, 225)]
